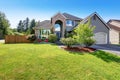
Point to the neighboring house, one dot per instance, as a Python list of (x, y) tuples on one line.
[(115, 31), (63, 23)]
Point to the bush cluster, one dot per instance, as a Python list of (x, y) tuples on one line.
[(52, 38), (88, 42), (31, 37), (68, 41)]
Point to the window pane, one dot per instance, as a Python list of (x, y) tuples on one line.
[(69, 22)]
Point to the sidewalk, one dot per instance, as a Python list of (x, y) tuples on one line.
[(2, 41)]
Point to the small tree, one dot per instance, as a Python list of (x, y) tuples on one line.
[(84, 34)]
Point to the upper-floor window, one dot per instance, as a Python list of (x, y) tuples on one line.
[(69, 23)]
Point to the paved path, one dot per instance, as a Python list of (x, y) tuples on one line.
[(108, 48), (2, 41)]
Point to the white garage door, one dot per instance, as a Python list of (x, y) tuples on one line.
[(101, 38)]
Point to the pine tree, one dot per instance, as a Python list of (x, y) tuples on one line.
[(32, 24), (26, 24), (20, 26)]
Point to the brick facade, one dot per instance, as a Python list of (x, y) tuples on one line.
[(61, 18)]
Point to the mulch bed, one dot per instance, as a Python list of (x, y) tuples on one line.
[(79, 49)]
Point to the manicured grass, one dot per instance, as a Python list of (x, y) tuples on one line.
[(49, 62), (116, 44)]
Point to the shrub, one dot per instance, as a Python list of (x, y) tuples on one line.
[(68, 35), (68, 41), (43, 38), (88, 42), (46, 40), (17, 33), (39, 40), (31, 37), (52, 38)]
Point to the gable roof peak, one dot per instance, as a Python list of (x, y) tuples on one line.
[(91, 15), (57, 14), (95, 12)]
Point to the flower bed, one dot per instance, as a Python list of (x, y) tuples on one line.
[(40, 40), (79, 49)]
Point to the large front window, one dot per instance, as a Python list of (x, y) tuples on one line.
[(44, 33), (69, 23)]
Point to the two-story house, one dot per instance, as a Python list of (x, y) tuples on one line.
[(61, 23)]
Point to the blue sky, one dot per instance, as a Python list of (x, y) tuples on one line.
[(16, 10)]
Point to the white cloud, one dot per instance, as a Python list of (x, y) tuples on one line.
[(16, 16)]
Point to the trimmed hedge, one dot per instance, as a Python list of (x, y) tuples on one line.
[(68, 41)]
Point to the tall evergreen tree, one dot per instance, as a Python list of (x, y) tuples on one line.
[(20, 26), (27, 24), (23, 25), (32, 24), (4, 25)]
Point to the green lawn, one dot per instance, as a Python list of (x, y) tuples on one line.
[(49, 62)]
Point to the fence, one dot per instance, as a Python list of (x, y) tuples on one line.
[(16, 39)]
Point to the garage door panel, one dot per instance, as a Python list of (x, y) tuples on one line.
[(101, 38)]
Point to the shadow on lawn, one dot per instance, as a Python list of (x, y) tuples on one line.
[(79, 53), (44, 43), (108, 57)]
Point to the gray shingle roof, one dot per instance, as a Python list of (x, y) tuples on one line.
[(71, 17), (114, 27), (46, 24)]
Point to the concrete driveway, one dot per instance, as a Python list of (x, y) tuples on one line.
[(108, 48)]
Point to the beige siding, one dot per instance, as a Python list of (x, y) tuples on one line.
[(114, 37)]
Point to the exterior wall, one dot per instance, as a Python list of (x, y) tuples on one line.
[(62, 19), (69, 28), (37, 33), (114, 37), (100, 27), (77, 22)]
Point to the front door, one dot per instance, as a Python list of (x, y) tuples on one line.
[(57, 34)]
